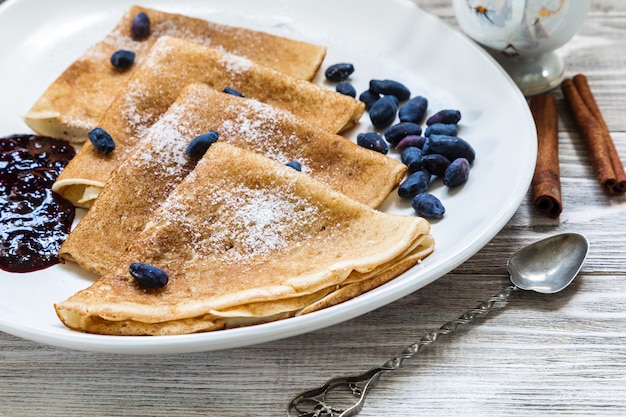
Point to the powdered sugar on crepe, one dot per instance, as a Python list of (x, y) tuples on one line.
[(168, 139), (134, 110), (259, 132), (267, 220), (244, 222), (235, 64), (170, 28)]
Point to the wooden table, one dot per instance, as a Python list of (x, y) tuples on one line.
[(542, 355)]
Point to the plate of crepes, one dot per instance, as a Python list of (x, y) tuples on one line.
[(235, 206)]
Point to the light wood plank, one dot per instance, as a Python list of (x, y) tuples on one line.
[(537, 356)]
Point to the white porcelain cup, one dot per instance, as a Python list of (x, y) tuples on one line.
[(522, 35)]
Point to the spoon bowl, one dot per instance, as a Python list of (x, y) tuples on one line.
[(549, 265)]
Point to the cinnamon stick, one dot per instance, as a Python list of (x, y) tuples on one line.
[(546, 182), (604, 157)]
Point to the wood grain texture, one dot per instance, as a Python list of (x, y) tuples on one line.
[(540, 356)]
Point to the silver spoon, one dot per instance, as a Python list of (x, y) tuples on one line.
[(546, 266)]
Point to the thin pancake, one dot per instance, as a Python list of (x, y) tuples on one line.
[(240, 229), (74, 103), (173, 64), (261, 312), (159, 163)]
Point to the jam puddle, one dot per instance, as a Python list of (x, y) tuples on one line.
[(34, 220)]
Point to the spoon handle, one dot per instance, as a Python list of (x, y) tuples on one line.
[(316, 402)]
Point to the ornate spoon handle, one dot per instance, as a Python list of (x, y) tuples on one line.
[(348, 393)]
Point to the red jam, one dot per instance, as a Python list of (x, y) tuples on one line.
[(35, 221)]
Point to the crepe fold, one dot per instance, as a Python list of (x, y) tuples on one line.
[(246, 242), (159, 163), (74, 103), (173, 64)]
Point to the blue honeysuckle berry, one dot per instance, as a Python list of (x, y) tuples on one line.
[(140, 26), (201, 143), (435, 163), (339, 72), (416, 183), (101, 140), (414, 110), (411, 140), (452, 147), (447, 116), (369, 98), (457, 172), (428, 206), (295, 165), (373, 141), (390, 88), (412, 158), (345, 88), (234, 92), (448, 129), (148, 276), (383, 111), (123, 59), (399, 131)]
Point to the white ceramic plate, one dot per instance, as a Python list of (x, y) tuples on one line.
[(384, 39)]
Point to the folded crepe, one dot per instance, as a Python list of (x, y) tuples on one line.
[(158, 164), (173, 64), (244, 239), (74, 103)]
